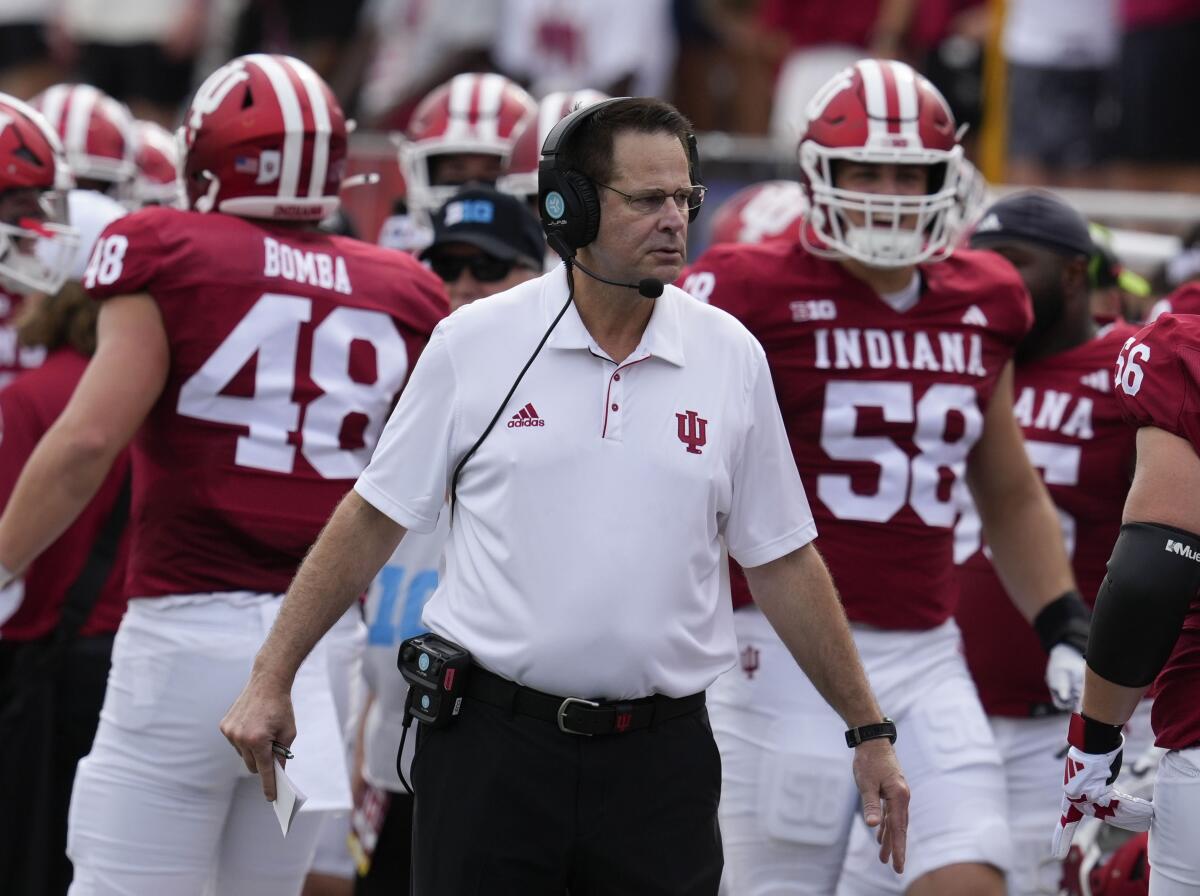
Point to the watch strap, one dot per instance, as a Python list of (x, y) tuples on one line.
[(885, 728)]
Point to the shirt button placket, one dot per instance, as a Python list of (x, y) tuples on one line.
[(615, 397)]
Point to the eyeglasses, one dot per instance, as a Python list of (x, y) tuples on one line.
[(484, 268), (685, 198)]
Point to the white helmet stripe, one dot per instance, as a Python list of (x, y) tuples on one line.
[(876, 96), (462, 92), (488, 118), (52, 103), (553, 110), (79, 117), (293, 122), (906, 93), (320, 111)]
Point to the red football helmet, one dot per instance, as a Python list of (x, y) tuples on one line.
[(96, 131), (773, 209), (36, 245), (157, 180), (471, 113), (522, 177), (881, 112), (264, 137)]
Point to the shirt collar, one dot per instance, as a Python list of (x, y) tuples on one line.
[(663, 337)]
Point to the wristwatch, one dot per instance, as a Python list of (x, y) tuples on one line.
[(886, 728)]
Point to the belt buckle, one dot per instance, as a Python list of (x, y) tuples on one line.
[(562, 710)]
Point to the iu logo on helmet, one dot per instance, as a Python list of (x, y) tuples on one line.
[(693, 431)]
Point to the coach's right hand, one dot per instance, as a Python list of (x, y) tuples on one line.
[(885, 798), (261, 715)]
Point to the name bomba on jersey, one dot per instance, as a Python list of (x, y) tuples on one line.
[(302, 266), (850, 348)]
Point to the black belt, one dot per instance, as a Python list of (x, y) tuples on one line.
[(575, 715)]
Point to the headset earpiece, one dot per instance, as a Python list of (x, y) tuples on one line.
[(567, 200)]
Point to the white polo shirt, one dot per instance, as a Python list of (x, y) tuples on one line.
[(584, 554)]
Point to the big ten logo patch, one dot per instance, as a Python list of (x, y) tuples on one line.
[(470, 211), (394, 604), (813, 309)]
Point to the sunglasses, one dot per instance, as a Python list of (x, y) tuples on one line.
[(484, 268)]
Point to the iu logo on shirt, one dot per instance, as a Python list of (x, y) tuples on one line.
[(693, 431), (749, 659)]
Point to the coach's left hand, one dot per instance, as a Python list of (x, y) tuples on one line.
[(260, 716)]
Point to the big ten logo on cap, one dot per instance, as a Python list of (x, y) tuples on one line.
[(555, 206), (470, 211)]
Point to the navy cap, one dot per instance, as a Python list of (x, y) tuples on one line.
[(499, 224), (1038, 217)]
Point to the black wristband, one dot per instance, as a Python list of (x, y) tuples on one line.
[(1065, 620), (1091, 736), (856, 736)]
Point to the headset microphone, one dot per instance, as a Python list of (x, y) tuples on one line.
[(647, 287)]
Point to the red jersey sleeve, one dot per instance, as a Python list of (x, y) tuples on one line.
[(127, 257), (1157, 375), (19, 434)]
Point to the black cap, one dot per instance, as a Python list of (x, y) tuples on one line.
[(1038, 217), (499, 224)]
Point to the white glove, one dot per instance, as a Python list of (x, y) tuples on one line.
[(1088, 790), (1064, 676)]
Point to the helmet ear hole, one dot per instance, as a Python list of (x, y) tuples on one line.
[(247, 98)]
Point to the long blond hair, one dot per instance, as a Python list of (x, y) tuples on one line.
[(66, 318)]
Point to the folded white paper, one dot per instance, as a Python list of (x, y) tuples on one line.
[(288, 799)]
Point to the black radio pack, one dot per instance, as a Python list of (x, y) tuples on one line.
[(436, 672)]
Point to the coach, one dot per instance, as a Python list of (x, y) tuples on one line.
[(640, 428)]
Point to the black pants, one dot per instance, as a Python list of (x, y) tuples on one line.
[(392, 858), (47, 725), (507, 804)]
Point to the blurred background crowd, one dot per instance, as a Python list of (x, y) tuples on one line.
[(1074, 94)]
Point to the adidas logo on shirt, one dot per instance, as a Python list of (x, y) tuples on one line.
[(1100, 380), (527, 416), (975, 317)]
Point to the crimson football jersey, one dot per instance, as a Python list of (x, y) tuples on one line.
[(14, 357), (287, 349), (1184, 300), (1158, 384), (1084, 450), (882, 407), (28, 407)]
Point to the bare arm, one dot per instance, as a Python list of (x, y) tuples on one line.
[(1165, 483), (120, 385), (354, 544), (1019, 520), (797, 596)]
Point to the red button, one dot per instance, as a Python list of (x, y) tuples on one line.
[(614, 407), (617, 377)]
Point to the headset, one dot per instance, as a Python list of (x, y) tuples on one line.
[(567, 198), (570, 212)]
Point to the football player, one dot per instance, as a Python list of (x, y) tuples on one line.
[(1076, 439), (49, 695), (521, 173), (255, 359), (772, 209), (462, 131), (37, 245), (156, 181), (891, 354), (96, 131), (1146, 624)]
